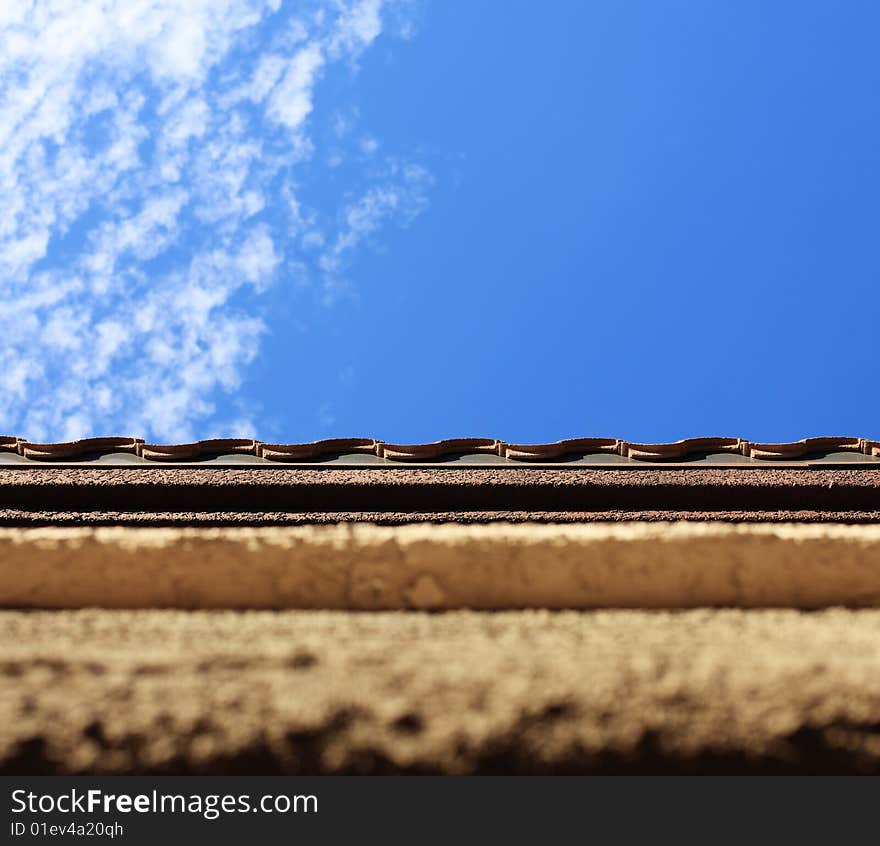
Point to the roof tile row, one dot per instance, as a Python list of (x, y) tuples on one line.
[(438, 450)]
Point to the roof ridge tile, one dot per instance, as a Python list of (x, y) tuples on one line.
[(197, 449), (438, 450)]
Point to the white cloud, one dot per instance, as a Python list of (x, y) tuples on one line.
[(369, 145), (291, 100), (401, 195), (358, 26), (141, 142)]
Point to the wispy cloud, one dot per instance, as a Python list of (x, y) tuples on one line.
[(141, 144), (401, 195)]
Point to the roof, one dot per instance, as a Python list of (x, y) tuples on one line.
[(472, 451), (235, 482)]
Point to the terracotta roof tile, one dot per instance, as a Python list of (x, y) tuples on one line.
[(75, 449), (316, 449), (569, 449), (560, 449), (216, 446), (440, 449)]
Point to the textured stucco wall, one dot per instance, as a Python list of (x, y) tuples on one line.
[(724, 690), (442, 567)]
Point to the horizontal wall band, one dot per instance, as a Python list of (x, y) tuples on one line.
[(498, 566), (405, 490), (218, 519)]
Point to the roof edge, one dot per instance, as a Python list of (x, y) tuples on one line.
[(439, 450)]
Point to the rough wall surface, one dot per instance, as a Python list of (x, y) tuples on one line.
[(638, 565), (230, 496), (461, 692)]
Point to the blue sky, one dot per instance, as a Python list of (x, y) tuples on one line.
[(432, 218)]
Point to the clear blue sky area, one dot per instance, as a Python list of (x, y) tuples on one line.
[(649, 220)]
